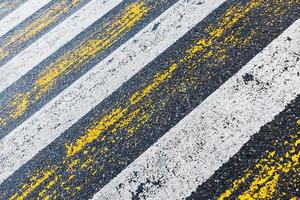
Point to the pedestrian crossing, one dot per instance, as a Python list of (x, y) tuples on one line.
[(200, 143), (43, 82), (20, 13), (66, 108), (143, 99), (53, 40), (34, 26), (270, 167)]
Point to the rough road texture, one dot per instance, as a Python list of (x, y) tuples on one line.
[(145, 99)]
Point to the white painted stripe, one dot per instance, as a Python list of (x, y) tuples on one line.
[(53, 40), (20, 14), (65, 109), (191, 151)]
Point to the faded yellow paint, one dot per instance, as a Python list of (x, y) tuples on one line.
[(158, 79), (72, 60), (27, 188), (111, 119), (20, 103), (86, 163), (228, 19), (3, 53), (94, 132), (265, 182), (266, 173), (78, 57), (142, 118), (236, 184), (125, 122), (128, 19), (73, 164), (2, 122), (37, 26), (131, 114), (42, 194)]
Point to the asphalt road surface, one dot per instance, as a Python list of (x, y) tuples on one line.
[(147, 99)]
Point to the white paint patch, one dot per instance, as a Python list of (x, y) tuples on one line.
[(20, 14), (47, 124), (199, 144), (53, 40)]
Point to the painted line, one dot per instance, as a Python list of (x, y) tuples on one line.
[(214, 131), (20, 14), (124, 125), (57, 72), (36, 26), (271, 172), (7, 6), (65, 109), (53, 40), (271, 169)]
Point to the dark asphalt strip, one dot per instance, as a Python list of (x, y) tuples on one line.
[(58, 71), (35, 26), (123, 126), (267, 167), (8, 6)]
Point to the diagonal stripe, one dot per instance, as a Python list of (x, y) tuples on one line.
[(267, 167), (64, 110), (53, 40), (20, 14), (36, 26), (192, 150), (58, 71), (124, 125), (7, 6)]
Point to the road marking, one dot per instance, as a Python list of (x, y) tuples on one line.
[(37, 25), (20, 14), (57, 72), (65, 109), (53, 40), (205, 139), (7, 6), (267, 166), (269, 171), (126, 119)]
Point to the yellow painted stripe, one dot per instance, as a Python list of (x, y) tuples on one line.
[(199, 47), (37, 26), (267, 172), (75, 59), (130, 115)]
